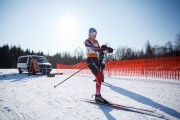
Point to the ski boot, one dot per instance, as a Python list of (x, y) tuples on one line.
[(100, 99)]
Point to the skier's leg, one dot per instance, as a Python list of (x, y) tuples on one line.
[(98, 82), (95, 69)]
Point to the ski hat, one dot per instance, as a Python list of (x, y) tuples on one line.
[(92, 30)]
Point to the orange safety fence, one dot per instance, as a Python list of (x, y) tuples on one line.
[(166, 67), (61, 68)]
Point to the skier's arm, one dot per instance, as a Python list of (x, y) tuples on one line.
[(102, 48)]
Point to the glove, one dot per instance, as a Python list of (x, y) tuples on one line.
[(104, 47), (110, 50)]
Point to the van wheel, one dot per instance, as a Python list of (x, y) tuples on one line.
[(20, 71), (34, 72)]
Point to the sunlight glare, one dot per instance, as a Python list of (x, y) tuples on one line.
[(68, 25)]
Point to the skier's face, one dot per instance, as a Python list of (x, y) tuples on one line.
[(92, 36)]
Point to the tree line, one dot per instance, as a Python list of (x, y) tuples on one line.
[(150, 51), (9, 54)]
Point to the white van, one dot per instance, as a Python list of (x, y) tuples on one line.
[(24, 62)]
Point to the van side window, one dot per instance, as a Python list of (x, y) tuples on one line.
[(22, 60), (30, 59)]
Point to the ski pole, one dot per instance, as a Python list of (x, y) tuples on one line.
[(71, 75), (107, 60), (107, 64)]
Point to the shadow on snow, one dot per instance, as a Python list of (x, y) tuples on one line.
[(15, 77), (143, 100), (107, 112)]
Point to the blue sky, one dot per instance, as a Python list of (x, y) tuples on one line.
[(55, 26)]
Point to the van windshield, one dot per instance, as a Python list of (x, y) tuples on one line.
[(40, 59)]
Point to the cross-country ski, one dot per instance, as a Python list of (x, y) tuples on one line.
[(130, 109)]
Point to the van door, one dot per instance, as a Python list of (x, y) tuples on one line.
[(22, 64)]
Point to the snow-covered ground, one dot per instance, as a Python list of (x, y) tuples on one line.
[(24, 97)]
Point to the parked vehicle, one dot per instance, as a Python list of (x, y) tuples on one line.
[(24, 62)]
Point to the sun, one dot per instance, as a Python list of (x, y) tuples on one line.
[(68, 24)]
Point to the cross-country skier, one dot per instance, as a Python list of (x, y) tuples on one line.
[(92, 52)]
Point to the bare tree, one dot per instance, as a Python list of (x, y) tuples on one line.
[(120, 53), (128, 54), (177, 42), (149, 50), (169, 48)]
